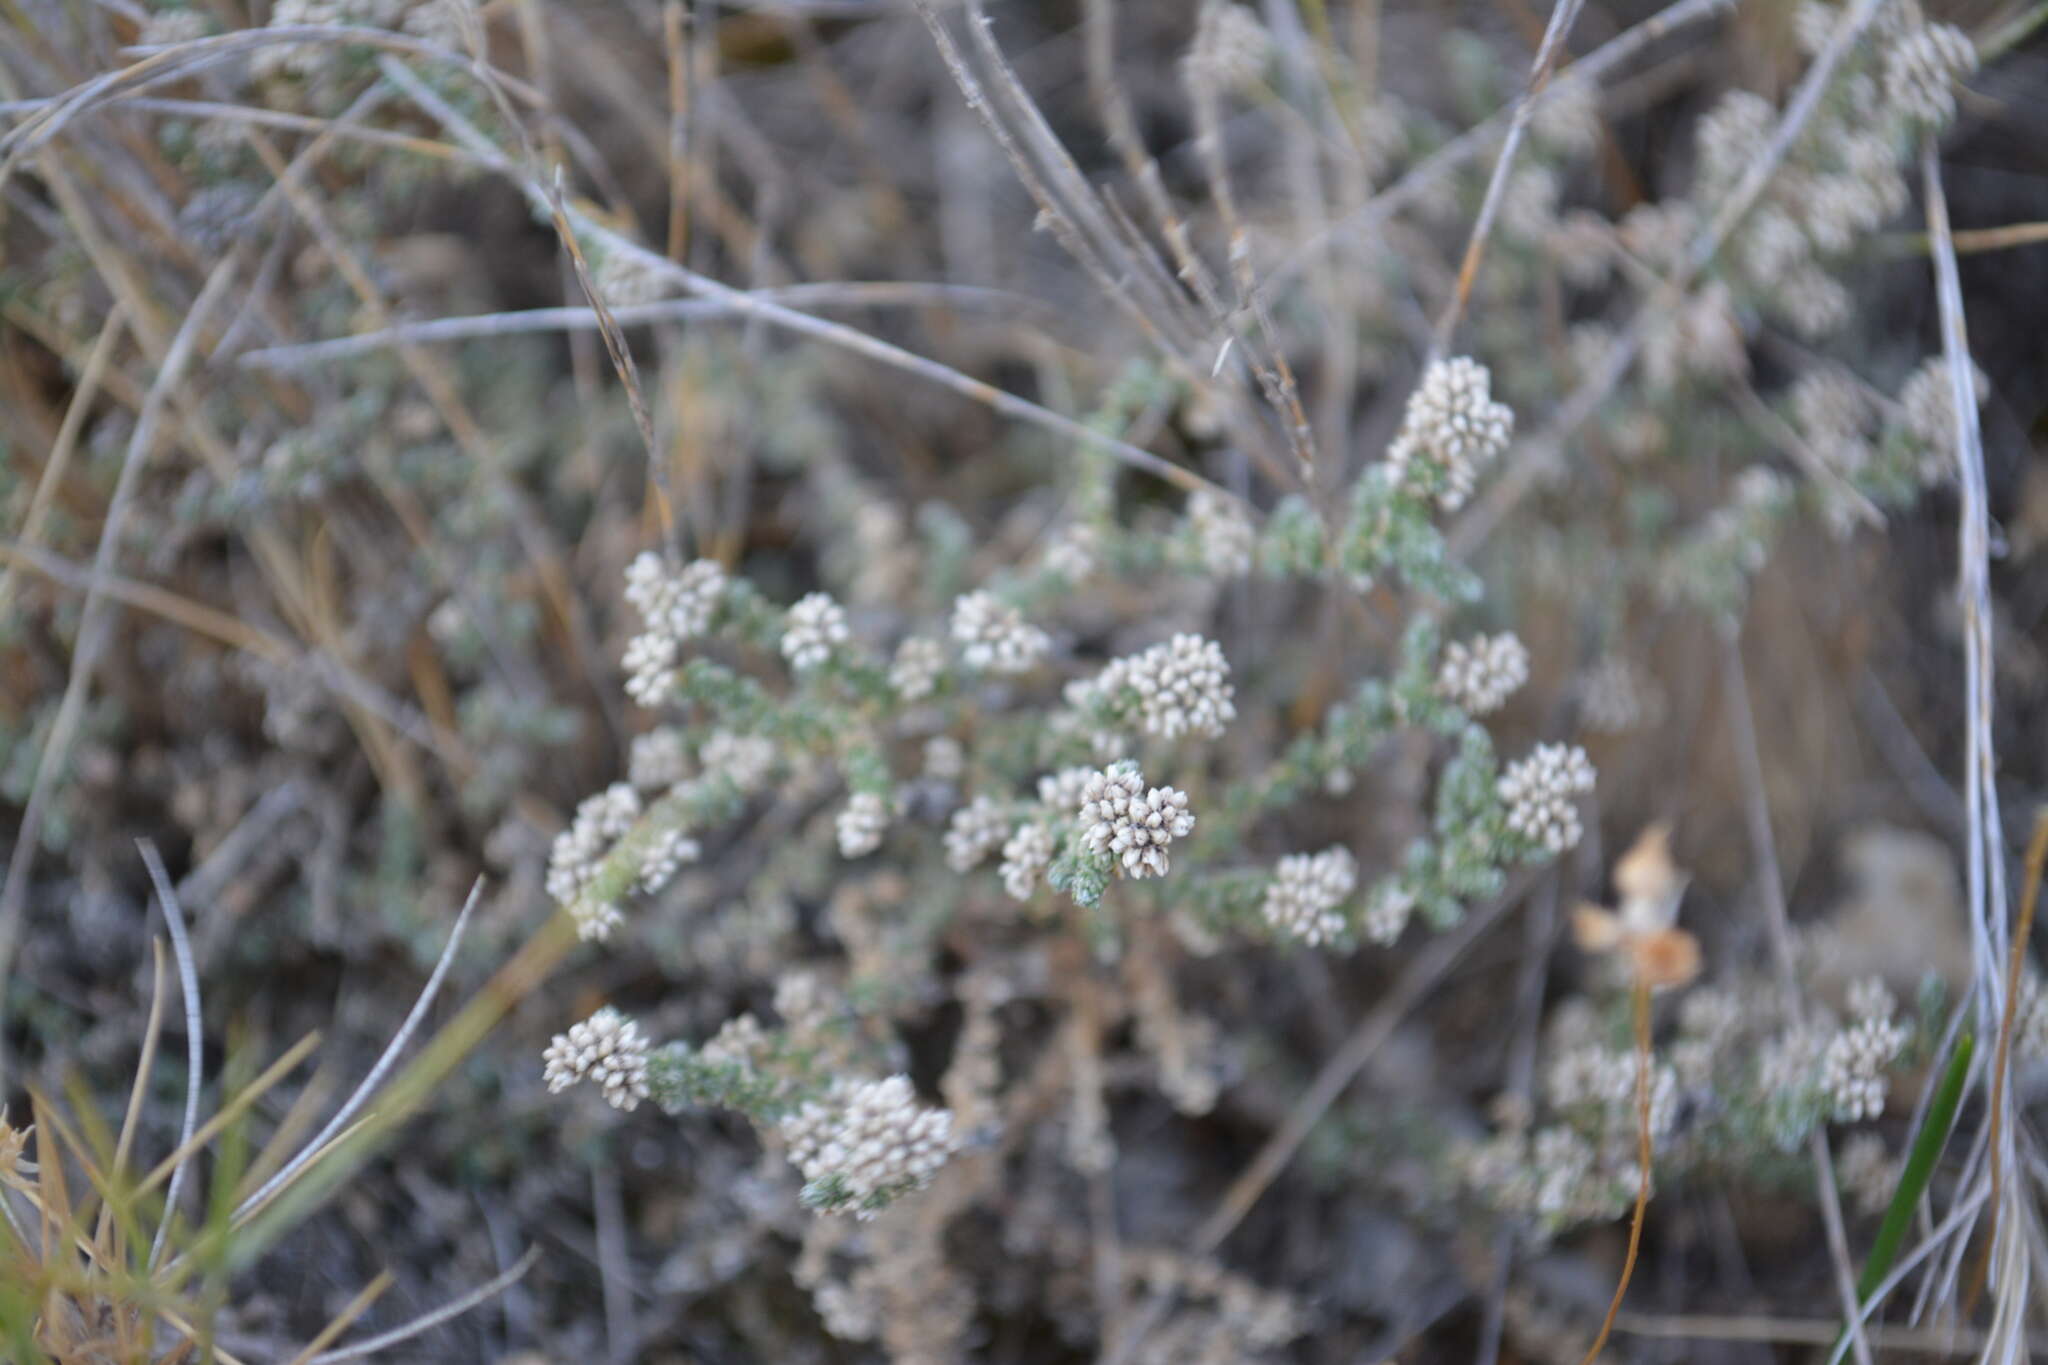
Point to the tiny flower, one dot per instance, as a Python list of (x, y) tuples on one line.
[(1230, 50), (744, 760), (1182, 686), (1224, 536), (606, 1049), (976, 831), (1061, 791), (865, 1143), (1072, 555), (669, 851), (1133, 825), (659, 759), (1482, 673), (1387, 913), (915, 671), (650, 664), (1540, 791), (862, 824), (994, 637), (680, 605), (1302, 899), (1451, 430), (815, 627), (1922, 68), (1025, 856), (1853, 1065)]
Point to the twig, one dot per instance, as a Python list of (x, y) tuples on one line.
[(1771, 886), (1562, 16), (1640, 1009), (188, 985)]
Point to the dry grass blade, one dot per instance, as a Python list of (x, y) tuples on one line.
[(489, 1289), (1996, 954), (877, 294), (821, 329), (229, 1112), (54, 464), (188, 985), (378, 1071), (152, 1033), (354, 1309), (1562, 17)]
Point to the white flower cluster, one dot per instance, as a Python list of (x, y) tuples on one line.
[(1302, 899), (1930, 417), (1615, 697), (862, 824), (1921, 70), (914, 672), (994, 637), (608, 1050), (673, 608), (1231, 49), (1061, 791), (866, 1142), (1073, 554), (977, 830), (176, 26), (1554, 1175), (1867, 1173), (664, 857), (1387, 913), (1604, 1079), (1223, 533), (1852, 1066), (1701, 339), (747, 761), (1025, 856), (1569, 116), (1482, 673), (659, 759), (816, 626), (1133, 825), (1541, 791), (579, 850), (1183, 687), (1452, 428)]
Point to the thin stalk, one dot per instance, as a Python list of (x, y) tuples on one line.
[(1641, 1000)]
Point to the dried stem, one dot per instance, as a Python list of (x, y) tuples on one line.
[(1640, 1003)]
